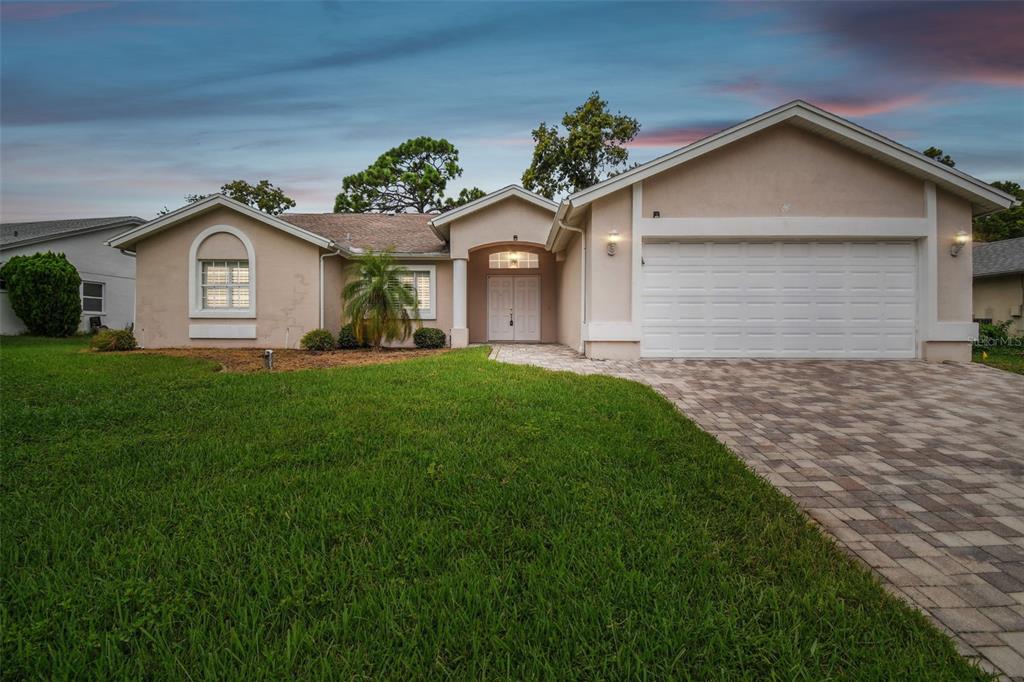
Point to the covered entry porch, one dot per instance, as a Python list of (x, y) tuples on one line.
[(504, 280), (509, 294)]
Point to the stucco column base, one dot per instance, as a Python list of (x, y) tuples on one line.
[(947, 351), (460, 338), (613, 350)]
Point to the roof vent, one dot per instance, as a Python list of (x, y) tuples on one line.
[(392, 212), (348, 236)]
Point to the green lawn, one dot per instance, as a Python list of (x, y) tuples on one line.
[(445, 517), (1002, 357)]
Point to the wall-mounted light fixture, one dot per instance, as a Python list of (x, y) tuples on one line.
[(959, 242), (613, 240)]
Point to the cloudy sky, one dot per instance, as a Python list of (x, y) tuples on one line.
[(111, 108)]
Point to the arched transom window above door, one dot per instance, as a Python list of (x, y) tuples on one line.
[(513, 260)]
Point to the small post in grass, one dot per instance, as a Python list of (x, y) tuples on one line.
[(268, 359)]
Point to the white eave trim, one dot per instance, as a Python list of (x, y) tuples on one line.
[(980, 191), (129, 238), (488, 200)]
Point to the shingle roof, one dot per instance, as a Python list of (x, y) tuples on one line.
[(402, 232), (12, 234), (997, 258)]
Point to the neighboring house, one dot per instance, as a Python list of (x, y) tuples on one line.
[(793, 234), (999, 283), (108, 277)]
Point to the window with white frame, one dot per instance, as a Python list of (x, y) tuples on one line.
[(421, 281), (92, 297), (225, 285), (513, 260)]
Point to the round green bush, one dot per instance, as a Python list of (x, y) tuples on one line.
[(428, 337), (318, 340), (113, 339), (43, 291), (347, 338)]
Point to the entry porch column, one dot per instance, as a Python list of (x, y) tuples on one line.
[(460, 330)]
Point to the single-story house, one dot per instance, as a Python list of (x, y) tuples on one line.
[(999, 283), (793, 234), (108, 276)]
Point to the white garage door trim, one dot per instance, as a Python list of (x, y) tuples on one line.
[(798, 299)]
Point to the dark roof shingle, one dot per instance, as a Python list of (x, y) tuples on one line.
[(402, 232), (16, 233), (997, 258)]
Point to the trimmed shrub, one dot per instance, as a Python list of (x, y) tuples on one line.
[(113, 339), (993, 334), (428, 337), (347, 338), (43, 291), (317, 340)]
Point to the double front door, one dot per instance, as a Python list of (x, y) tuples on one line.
[(513, 308)]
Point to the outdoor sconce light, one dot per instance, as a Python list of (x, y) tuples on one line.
[(613, 240), (958, 243)]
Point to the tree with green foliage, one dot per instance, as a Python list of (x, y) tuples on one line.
[(410, 177), (592, 148), (262, 196), (379, 305), (940, 156), (44, 293), (1008, 224)]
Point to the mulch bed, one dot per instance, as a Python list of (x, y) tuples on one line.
[(251, 360)]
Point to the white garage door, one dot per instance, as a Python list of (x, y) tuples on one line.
[(779, 299)]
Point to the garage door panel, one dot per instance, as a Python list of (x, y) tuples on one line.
[(779, 299)]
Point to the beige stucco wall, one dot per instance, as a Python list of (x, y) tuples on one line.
[(335, 268), (609, 298), (1000, 298), (478, 271), (954, 273), (511, 219), (567, 278), (783, 171), (287, 285), (222, 246), (946, 351)]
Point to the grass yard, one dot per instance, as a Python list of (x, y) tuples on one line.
[(442, 517), (1002, 357)]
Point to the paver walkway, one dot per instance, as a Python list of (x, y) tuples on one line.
[(915, 468)]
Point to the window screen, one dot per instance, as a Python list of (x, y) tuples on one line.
[(92, 297), (225, 284)]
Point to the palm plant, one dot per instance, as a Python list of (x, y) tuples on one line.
[(380, 306)]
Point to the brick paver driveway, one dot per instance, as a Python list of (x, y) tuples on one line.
[(915, 468)]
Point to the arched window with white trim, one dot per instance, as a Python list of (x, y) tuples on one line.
[(222, 274)]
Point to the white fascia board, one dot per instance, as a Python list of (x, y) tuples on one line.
[(556, 226), (978, 189), (185, 212)]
